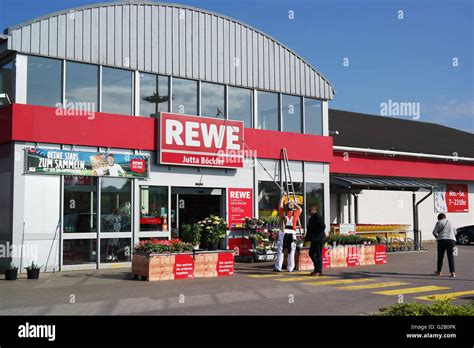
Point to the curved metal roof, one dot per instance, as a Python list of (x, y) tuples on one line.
[(170, 39)]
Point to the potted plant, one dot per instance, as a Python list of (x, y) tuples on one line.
[(192, 234), (154, 259), (214, 230), (11, 272), (33, 271)]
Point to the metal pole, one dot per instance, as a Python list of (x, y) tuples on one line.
[(415, 221), (416, 209)]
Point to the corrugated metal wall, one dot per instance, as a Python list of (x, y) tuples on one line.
[(171, 40)]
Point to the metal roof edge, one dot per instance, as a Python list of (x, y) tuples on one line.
[(152, 3)]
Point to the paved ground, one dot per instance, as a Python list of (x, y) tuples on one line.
[(253, 290)]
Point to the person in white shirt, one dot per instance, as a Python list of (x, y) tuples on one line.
[(113, 168)]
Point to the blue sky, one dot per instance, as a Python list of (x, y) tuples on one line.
[(402, 60)]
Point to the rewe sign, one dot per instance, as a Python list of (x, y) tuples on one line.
[(201, 141)]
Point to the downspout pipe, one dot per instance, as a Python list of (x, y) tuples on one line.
[(416, 230)]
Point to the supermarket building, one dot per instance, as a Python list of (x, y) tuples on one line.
[(179, 113)]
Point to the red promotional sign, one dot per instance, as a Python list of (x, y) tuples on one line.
[(225, 264), (352, 256), (326, 258), (138, 166), (457, 198), (380, 255), (239, 204), (201, 141), (183, 266), (237, 244)]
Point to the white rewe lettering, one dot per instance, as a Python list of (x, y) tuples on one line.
[(212, 136), (232, 137), (37, 331), (192, 134), (207, 135), (239, 194), (174, 129)]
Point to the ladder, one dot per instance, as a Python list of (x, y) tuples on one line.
[(288, 185)]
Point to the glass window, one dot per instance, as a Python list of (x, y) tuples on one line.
[(268, 198), (268, 114), (79, 251), (184, 94), (117, 87), (80, 204), (82, 84), (154, 94), (115, 205), (153, 208), (115, 250), (240, 105), (212, 100), (6, 78), (44, 81), (291, 114), (313, 116), (315, 197)]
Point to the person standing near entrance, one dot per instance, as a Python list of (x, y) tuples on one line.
[(445, 235), (315, 233), (289, 215)]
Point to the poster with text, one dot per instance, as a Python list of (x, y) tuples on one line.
[(451, 198), (107, 164), (239, 204)]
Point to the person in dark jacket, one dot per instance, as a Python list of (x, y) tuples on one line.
[(315, 233)]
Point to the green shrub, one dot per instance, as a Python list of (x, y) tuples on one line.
[(191, 233), (438, 308), (351, 239)]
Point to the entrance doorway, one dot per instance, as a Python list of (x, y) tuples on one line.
[(190, 205)]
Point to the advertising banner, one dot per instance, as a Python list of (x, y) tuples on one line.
[(62, 162), (380, 255), (239, 205), (225, 264), (241, 246), (352, 255), (451, 198), (326, 258), (200, 141), (183, 266)]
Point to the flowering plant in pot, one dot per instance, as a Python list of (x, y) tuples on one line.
[(214, 229), (157, 246), (192, 234), (33, 271), (11, 273)]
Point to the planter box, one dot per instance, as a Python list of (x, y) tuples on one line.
[(153, 267), (342, 256), (218, 263), (11, 274), (302, 260), (200, 264)]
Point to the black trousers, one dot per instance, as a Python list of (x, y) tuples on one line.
[(446, 245), (316, 254)]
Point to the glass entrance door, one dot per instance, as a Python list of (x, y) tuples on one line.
[(194, 204)]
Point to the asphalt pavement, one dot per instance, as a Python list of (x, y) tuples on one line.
[(253, 290)]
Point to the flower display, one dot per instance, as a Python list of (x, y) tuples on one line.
[(162, 246)]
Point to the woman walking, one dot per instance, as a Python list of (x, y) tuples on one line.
[(445, 235)]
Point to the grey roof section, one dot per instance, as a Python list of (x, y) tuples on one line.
[(379, 183), (171, 39), (385, 133)]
